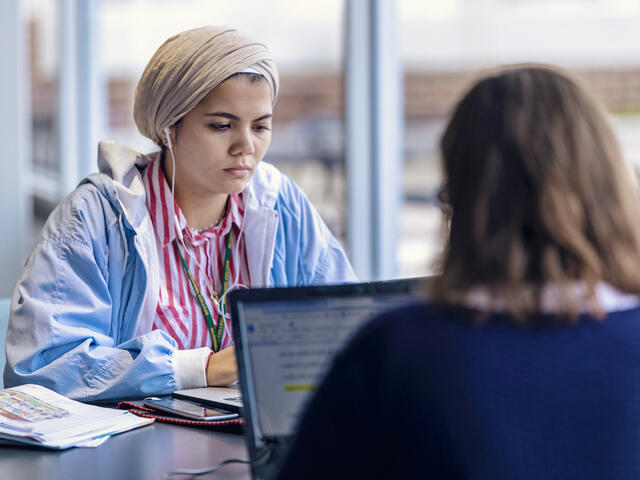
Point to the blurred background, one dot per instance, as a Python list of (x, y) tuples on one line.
[(380, 73)]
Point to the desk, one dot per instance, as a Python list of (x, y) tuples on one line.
[(142, 454)]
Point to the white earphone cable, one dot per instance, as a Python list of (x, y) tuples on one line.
[(235, 282)]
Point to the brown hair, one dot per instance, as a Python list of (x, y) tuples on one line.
[(537, 194)]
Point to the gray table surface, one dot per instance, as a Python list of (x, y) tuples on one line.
[(146, 453)]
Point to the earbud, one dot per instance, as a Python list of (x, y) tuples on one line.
[(167, 137)]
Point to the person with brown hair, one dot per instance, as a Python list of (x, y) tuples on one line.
[(523, 362)]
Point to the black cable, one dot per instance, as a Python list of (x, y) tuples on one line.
[(195, 472)]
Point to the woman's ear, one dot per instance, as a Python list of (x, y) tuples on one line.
[(168, 133)]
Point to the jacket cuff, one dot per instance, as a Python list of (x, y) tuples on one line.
[(190, 367)]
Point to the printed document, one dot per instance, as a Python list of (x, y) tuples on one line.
[(35, 415)]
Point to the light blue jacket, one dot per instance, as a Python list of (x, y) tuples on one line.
[(83, 307)]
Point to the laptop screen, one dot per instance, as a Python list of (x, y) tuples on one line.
[(287, 339)]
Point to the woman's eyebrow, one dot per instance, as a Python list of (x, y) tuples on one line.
[(231, 116)]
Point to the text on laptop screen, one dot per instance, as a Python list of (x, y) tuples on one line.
[(291, 345)]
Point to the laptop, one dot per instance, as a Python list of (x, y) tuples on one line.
[(286, 339)]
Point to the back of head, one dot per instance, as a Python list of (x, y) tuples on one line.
[(187, 67), (537, 192)]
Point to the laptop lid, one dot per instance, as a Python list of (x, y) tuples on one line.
[(286, 339)]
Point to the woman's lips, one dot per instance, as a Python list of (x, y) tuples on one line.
[(239, 172)]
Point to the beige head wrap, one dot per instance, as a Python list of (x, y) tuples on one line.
[(187, 67)]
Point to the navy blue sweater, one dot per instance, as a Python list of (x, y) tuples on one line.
[(423, 393)]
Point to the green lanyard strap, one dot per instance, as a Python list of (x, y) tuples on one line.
[(215, 331)]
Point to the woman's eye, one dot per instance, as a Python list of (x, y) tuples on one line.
[(261, 128), (220, 126)]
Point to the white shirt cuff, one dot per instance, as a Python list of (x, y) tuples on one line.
[(190, 367)]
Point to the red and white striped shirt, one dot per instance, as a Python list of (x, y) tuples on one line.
[(178, 312)]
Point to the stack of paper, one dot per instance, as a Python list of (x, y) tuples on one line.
[(36, 415)]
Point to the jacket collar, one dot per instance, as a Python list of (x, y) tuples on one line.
[(126, 190), (265, 185)]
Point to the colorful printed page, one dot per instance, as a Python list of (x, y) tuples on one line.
[(36, 415)]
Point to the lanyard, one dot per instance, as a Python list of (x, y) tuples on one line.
[(216, 333)]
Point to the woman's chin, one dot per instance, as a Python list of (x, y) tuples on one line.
[(236, 187)]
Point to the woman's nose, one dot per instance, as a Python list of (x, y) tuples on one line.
[(243, 144)]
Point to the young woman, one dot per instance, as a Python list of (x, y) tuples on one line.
[(525, 362), (126, 292)]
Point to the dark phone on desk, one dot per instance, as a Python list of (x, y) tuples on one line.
[(187, 409)]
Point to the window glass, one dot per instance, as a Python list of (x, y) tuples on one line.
[(41, 22), (443, 42)]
